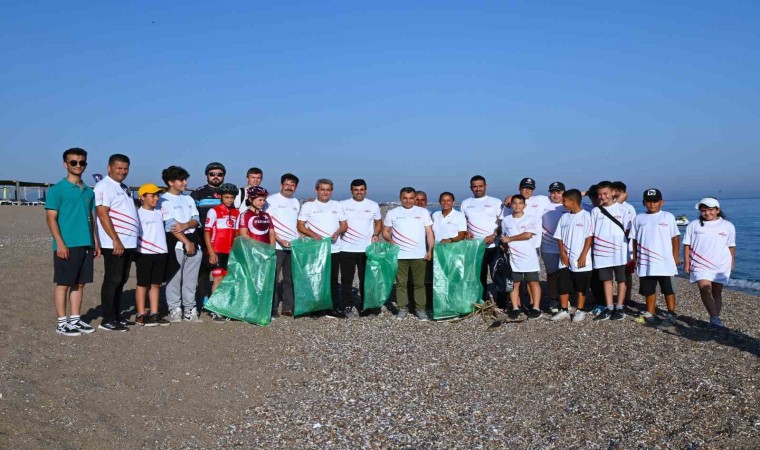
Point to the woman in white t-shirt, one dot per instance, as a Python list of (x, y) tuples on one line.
[(709, 255), (449, 225)]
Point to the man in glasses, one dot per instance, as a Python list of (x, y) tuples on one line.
[(207, 197), (70, 215), (118, 229)]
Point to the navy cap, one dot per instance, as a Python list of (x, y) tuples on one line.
[(529, 183), (556, 186)]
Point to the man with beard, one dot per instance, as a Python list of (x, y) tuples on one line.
[(207, 197)]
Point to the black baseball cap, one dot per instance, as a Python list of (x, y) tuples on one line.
[(652, 195), (529, 183), (215, 165), (556, 186)]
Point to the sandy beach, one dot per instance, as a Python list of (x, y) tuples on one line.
[(366, 383)]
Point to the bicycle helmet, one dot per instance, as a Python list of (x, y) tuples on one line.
[(257, 191), (228, 188)]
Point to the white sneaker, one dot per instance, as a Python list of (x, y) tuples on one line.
[(175, 315), (561, 315), (192, 317), (716, 322), (579, 316)]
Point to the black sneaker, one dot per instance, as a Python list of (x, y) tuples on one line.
[(604, 315), (127, 323), (67, 330), (216, 318), (112, 326), (618, 314), (160, 321), (336, 314), (83, 327), (534, 313), (514, 314), (150, 320)]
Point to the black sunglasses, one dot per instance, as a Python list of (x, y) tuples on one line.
[(74, 163), (216, 174)]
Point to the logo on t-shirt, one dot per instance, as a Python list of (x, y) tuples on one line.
[(722, 234)]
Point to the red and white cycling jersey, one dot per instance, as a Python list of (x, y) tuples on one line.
[(221, 222), (257, 224)]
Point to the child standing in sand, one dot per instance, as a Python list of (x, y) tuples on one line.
[(709, 255), (152, 253)]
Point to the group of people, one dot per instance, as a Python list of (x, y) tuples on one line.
[(185, 240)]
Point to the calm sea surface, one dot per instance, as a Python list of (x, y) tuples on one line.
[(745, 215)]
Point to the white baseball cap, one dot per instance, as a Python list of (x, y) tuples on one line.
[(709, 202)]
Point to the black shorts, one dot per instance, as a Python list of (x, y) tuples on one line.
[(220, 268), (648, 285), (569, 282), (151, 268), (77, 269), (607, 273), (519, 277)]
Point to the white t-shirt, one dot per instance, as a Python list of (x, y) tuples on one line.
[(522, 254), (408, 230), (709, 254), (360, 217), (152, 238), (610, 246), (482, 216), (654, 235), (178, 208), (122, 212), (632, 212), (549, 221), (573, 230), (448, 227), (284, 213), (323, 219)]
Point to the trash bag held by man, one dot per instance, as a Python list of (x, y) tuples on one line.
[(456, 278), (502, 272), (246, 291), (311, 275), (380, 273)]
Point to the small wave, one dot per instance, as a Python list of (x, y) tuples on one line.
[(744, 284)]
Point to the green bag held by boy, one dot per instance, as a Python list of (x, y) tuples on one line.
[(380, 273), (311, 275), (246, 291), (456, 278)]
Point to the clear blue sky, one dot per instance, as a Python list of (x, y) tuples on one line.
[(427, 94)]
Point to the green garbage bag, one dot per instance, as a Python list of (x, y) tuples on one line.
[(380, 274), (311, 267), (246, 291), (456, 278)]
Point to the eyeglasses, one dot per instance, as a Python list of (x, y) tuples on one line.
[(74, 163), (216, 174)]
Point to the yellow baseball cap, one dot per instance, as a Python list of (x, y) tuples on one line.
[(149, 188)]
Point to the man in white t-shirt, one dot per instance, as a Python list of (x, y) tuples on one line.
[(324, 218), (483, 222), (283, 208), (535, 205), (553, 211), (411, 228), (118, 230), (610, 252), (364, 225), (253, 177), (655, 238)]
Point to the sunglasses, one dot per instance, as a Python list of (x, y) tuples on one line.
[(74, 163), (216, 174)]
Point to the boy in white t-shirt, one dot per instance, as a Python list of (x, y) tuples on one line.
[(411, 228), (574, 235), (619, 192), (517, 231), (655, 238), (181, 219), (612, 222), (151, 257)]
